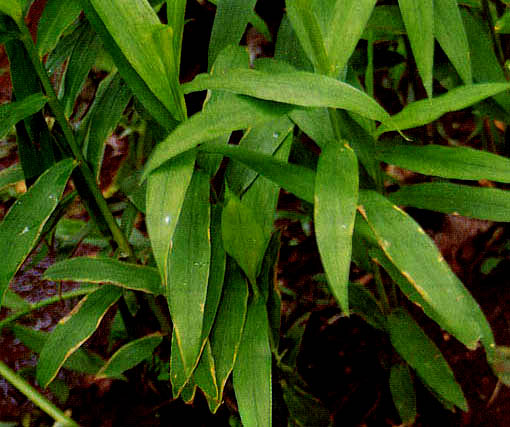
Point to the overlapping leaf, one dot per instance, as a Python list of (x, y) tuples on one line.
[(403, 393), (11, 113)]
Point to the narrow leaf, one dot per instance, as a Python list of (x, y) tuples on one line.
[(298, 88), (403, 393), (447, 162), (13, 9), (175, 10), (219, 119), (418, 19), (423, 356), (56, 17), (26, 218), (451, 35), (427, 110), (11, 175), (107, 270), (491, 204), (418, 259), (13, 112), (315, 122), (130, 355), (336, 196), (252, 371), (73, 331), (288, 48), (188, 271)]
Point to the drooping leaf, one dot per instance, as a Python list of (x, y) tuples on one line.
[(12, 112), (427, 110), (336, 197), (294, 178), (297, 88), (347, 22), (424, 357), (56, 17), (447, 162), (418, 19), (451, 35), (232, 17), (188, 271), (252, 370), (234, 113), (73, 331), (130, 355), (403, 393), (491, 204), (166, 189), (26, 218), (418, 259), (243, 237), (107, 270)]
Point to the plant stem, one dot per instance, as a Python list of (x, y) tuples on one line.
[(62, 120), (35, 397), (380, 289), (494, 37)]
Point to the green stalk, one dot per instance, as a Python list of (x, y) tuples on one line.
[(496, 42), (45, 303), (62, 120), (34, 396)]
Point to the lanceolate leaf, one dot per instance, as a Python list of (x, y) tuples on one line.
[(130, 355), (348, 20), (188, 271), (447, 162), (476, 202), (423, 356), (56, 17), (175, 10), (403, 393), (298, 88), (418, 259), (427, 110), (252, 371), (294, 178), (336, 196), (73, 331), (166, 188), (232, 17), (107, 270), (11, 113), (234, 113), (26, 218), (452, 37), (418, 18)]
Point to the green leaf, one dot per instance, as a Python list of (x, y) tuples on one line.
[(418, 19), (188, 271), (252, 370), (315, 122), (107, 270), (297, 88), (294, 178), (57, 16), (491, 204), (226, 333), (13, 9), (73, 331), (386, 19), (204, 375), (130, 355), (336, 196), (81, 360), (427, 110), (306, 26), (347, 22), (11, 175), (403, 393), (424, 357), (447, 162), (26, 218), (225, 116), (418, 259), (232, 17), (175, 10), (288, 49), (127, 35), (243, 237), (13, 112), (451, 35), (111, 99), (166, 189)]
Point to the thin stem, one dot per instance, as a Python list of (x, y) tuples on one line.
[(369, 72), (35, 397), (380, 289), (494, 36), (62, 120)]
